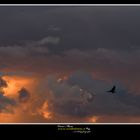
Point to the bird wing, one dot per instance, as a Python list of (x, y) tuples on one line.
[(114, 87)]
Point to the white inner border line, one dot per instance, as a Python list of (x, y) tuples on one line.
[(72, 123), (82, 5)]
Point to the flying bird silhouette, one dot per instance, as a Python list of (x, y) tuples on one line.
[(113, 90)]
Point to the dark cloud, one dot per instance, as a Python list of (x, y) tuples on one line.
[(3, 83), (71, 97), (24, 95), (81, 27), (102, 41), (54, 28), (107, 63), (5, 103)]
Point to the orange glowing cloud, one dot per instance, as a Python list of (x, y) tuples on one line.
[(15, 83), (44, 111), (93, 119), (7, 118)]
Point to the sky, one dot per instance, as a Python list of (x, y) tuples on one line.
[(58, 62)]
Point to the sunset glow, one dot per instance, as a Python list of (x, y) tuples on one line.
[(69, 64), (93, 119), (16, 83), (45, 111)]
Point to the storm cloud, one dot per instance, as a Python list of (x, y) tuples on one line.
[(71, 97), (61, 61), (3, 83), (81, 27), (6, 103), (24, 95)]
